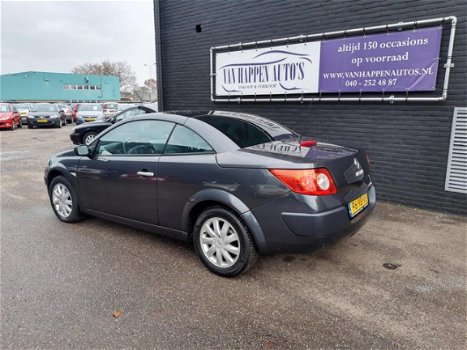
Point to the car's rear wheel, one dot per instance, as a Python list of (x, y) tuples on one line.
[(64, 200), (223, 242), (89, 137)]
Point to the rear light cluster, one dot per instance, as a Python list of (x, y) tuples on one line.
[(316, 182)]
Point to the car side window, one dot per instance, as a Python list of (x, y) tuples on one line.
[(184, 140), (140, 137)]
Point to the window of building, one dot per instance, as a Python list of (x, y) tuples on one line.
[(81, 87)]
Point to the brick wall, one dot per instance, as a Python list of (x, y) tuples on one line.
[(407, 142)]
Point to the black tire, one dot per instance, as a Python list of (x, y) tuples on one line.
[(247, 255), (20, 124), (75, 214), (86, 135), (30, 126)]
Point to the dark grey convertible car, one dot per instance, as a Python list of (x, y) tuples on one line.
[(236, 184)]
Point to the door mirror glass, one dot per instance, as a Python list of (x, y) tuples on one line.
[(82, 150)]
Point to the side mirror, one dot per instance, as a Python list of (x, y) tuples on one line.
[(82, 150)]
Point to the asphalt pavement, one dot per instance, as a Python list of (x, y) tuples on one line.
[(96, 284)]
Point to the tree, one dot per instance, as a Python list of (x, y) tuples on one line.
[(120, 69), (150, 83)]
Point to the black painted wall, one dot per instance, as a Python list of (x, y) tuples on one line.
[(407, 142)]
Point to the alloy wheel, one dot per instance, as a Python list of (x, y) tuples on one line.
[(62, 201), (88, 139), (220, 242)]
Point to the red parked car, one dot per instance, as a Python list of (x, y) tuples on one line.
[(9, 117), (74, 111)]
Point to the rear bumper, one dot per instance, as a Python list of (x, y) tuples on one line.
[(329, 223), (305, 231)]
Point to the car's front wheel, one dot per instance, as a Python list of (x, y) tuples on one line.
[(89, 137), (223, 242), (64, 200)]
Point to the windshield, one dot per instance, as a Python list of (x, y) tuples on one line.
[(45, 108), (90, 107), (21, 106), (247, 130), (110, 106), (4, 108)]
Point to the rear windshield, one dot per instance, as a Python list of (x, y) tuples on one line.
[(248, 130), (45, 108), (90, 107)]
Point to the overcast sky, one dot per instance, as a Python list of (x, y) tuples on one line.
[(55, 36)]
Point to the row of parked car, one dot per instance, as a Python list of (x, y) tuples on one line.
[(14, 115)]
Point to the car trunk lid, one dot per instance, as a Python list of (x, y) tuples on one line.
[(346, 165)]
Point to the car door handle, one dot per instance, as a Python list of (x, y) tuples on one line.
[(145, 173)]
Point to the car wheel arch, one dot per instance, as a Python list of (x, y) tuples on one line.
[(53, 173), (213, 197)]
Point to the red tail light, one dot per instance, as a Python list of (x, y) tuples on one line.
[(316, 182), (308, 143)]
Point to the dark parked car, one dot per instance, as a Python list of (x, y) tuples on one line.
[(85, 133), (236, 184), (46, 114)]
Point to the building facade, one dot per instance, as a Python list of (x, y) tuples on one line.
[(54, 87), (418, 155)]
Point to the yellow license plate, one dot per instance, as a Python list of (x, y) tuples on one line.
[(357, 205), (90, 119), (42, 120)]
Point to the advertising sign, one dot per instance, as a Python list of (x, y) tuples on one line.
[(394, 61), (276, 70)]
